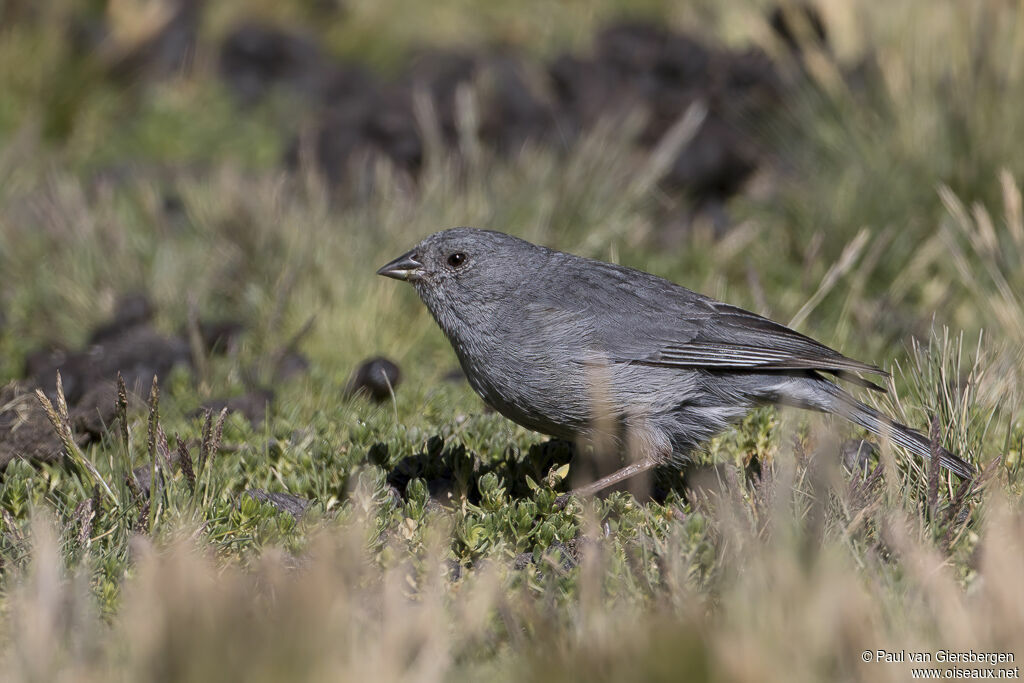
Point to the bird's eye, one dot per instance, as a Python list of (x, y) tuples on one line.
[(456, 259)]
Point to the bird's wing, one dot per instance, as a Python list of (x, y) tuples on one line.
[(720, 336), (634, 317)]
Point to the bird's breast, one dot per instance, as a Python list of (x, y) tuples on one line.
[(538, 387)]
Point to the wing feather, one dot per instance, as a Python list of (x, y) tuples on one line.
[(729, 337), (648, 320)]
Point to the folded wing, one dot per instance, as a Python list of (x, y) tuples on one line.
[(719, 336)]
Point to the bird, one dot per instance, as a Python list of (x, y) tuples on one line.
[(574, 347)]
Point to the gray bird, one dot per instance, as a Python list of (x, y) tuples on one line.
[(554, 342)]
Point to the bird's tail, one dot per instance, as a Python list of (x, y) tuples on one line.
[(878, 424)]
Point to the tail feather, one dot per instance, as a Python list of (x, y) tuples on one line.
[(880, 425)]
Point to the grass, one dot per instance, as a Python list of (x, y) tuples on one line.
[(894, 234)]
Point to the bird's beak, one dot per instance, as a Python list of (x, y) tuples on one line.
[(405, 267)]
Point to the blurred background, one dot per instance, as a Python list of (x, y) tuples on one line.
[(201, 192)]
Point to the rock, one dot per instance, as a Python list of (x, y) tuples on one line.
[(439, 73), (375, 378), (857, 454), (220, 336), (126, 343), (138, 353), (516, 105), (716, 163), (642, 65), (353, 132), (25, 430), (290, 364), (143, 477), (509, 94), (132, 309), (96, 411), (633, 65), (256, 58)]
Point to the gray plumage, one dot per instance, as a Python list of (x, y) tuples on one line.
[(551, 340)]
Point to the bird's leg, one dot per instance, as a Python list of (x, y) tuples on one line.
[(626, 472)]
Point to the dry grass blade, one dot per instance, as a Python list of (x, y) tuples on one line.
[(11, 526), (987, 476), (162, 447), (953, 517), (669, 147), (864, 490), (85, 513), (425, 112), (62, 404), (122, 413), (133, 485), (840, 268), (204, 444), (185, 458), (212, 432), (467, 120), (933, 466), (994, 285), (63, 429), (218, 433), (1012, 204), (142, 521), (151, 440)]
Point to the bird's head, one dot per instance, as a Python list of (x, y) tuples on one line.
[(464, 272)]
